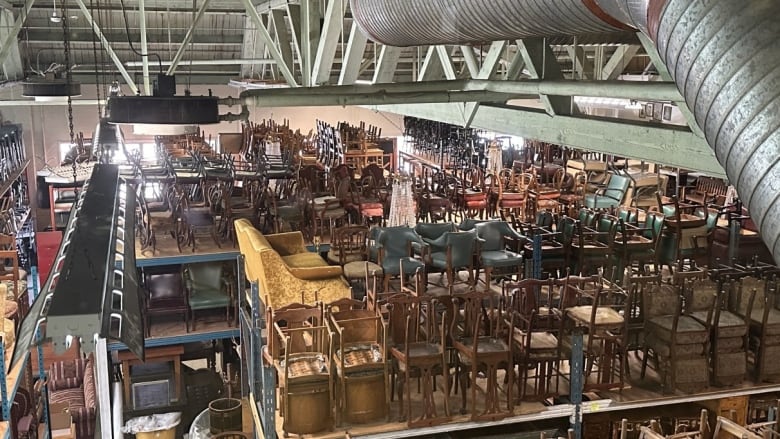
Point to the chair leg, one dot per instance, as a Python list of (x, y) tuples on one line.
[(488, 275)]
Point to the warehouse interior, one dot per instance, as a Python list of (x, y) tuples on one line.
[(390, 218)]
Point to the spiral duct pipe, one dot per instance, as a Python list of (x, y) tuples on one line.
[(722, 55)]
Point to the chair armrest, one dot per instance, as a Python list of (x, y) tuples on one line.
[(316, 273)]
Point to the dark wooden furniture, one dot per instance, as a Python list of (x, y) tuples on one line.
[(165, 294)]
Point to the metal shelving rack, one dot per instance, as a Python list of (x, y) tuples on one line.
[(10, 381), (259, 383)]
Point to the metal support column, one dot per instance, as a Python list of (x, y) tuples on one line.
[(144, 47), (119, 66), (39, 348), (576, 381), (102, 385)]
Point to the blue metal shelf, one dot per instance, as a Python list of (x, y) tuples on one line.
[(186, 258), (181, 339)]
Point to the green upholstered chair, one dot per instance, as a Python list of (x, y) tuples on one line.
[(208, 289), (430, 232), (611, 196), (452, 252), (395, 244), (493, 252)]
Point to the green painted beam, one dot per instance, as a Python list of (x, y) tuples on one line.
[(664, 145)]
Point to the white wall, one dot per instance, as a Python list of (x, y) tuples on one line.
[(45, 127)]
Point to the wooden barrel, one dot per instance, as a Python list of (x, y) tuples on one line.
[(225, 415)]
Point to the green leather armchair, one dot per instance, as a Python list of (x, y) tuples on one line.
[(394, 244), (493, 252), (611, 196), (430, 232), (452, 252), (208, 289)]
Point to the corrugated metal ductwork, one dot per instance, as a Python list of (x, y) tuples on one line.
[(721, 53), (415, 22), (724, 58)]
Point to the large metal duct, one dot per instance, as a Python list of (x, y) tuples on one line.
[(721, 53)]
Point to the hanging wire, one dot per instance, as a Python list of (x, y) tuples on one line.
[(95, 58), (130, 41)]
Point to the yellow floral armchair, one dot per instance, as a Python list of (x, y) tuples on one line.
[(286, 272)]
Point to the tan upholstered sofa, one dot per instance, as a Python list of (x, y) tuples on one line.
[(285, 270)]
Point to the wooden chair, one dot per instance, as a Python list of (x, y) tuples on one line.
[(536, 347), (165, 295), (483, 343), (599, 309), (680, 343), (360, 363), (419, 351), (299, 349)]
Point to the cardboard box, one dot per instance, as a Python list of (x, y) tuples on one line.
[(61, 426)]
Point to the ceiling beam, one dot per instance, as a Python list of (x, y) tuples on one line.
[(145, 48), (471, 60), (649, 142), (284, 69), (187, 37), (310, 34), (152, 9), (106, 45), (328, 41), (618, 61), (12, 66), (446, 62), (353, 58), (9, 41), (663, 72), (583, 66), (281, 31), (386, 64), (85, 36), (542, 64), (431, 69)]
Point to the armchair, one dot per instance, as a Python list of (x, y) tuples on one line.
[(395, 244), (453, 252), (207, 289), (165, 295), (610, 196), (493, 253), (73, 382)]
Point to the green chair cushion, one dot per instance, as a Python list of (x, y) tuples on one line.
[(499, 258), (207, 299), (393, 266)]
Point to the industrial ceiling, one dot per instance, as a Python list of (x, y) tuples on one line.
[(579, 49)]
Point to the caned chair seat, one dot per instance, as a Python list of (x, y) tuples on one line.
[(541, 342), (357, 270), (605, 316)]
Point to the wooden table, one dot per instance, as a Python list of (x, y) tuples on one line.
[(153, 355)]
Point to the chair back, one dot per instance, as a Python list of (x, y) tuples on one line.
[(462, 246), (396, 241), (617, 187), (164, 285), (350, 243), (205, 275), (663, 300), (431, 231), (492, 234)]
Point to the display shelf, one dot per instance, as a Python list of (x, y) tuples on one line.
[(186, 258), (191, 337), (608, 405)]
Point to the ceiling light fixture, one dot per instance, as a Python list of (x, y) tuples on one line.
[(55, 16)]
